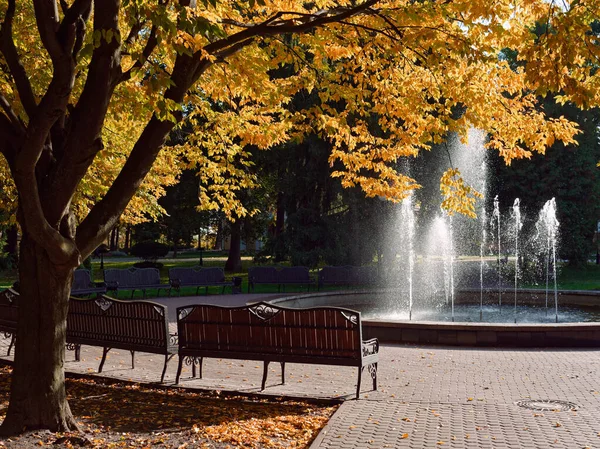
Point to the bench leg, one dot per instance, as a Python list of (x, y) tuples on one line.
[(206, 291), (132, 293), (11, 344), (265, 372), (164, 371), (196, 361), (179, 367), (77, 353), (132, 359), (282, 373), (104, 352), (373, 371), (360, 370)]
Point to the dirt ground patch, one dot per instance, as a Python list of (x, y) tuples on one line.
[(121, 415)]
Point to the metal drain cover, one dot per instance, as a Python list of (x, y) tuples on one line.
[(547, 405)]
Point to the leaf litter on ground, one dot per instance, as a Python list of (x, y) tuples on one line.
[(116, 415)]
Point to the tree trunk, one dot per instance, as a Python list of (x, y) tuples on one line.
[(127, 238), (37, 395), (219, 237), (234, 259), (175, 245), (280, 252)]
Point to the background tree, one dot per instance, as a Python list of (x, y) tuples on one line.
[(88, 100)]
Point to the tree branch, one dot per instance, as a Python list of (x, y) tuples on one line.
[(151, 44), (17, 70), (16, 122), (83, 140), (47, 19)]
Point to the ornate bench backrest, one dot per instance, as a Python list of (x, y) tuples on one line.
[(267, 329), (213, 274), (334, 275), (292, 274), (81, 280), (131, 277), (141, 325), (262, 274)]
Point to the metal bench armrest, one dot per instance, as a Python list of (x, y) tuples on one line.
[(370, 347)]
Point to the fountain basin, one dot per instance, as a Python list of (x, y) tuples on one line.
[(580, 308)]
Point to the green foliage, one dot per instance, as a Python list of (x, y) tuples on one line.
[(567, 173), (149, 251)]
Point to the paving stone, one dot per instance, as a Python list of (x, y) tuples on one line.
[(464, 397)]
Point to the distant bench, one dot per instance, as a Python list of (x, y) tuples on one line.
[(284, 276), (9, 314), (134, 279), (84, 286), (136, 326), (322, 335), (198, 277), (348, 276)]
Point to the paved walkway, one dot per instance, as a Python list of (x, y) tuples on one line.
[(428, 397)]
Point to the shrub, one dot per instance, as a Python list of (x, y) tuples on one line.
[(149, 251)]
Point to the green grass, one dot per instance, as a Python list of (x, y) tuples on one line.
[(579, 278)]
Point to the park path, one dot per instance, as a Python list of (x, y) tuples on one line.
[(428, 397)]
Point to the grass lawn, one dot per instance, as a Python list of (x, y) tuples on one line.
[(570, 278)]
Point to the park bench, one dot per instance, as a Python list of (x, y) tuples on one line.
[(198, 277), (134, 279), (282, 277), (9, 313), (268, 333), (136, 326), (348, 276), (83, 285)]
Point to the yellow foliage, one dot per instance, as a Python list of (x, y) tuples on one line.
[(458, 197), (385, 85)]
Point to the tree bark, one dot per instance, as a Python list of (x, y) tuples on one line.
[(37, 396), (234, 258)]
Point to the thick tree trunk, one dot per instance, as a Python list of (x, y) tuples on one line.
[(234, 258), (37, 396)]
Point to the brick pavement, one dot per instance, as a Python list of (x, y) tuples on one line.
[(428, 397)]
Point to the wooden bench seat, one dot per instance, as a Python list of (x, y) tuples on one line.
[(198, 277), (134, 279), (266, 332)]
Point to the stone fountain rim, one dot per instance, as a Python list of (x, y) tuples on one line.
[(460, 325)]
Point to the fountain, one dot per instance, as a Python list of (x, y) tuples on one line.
[(547, 230), (518, 224), (435, 296)]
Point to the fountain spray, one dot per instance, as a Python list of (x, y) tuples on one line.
[(518, 224)]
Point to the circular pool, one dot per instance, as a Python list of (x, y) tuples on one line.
[(385, 316)]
